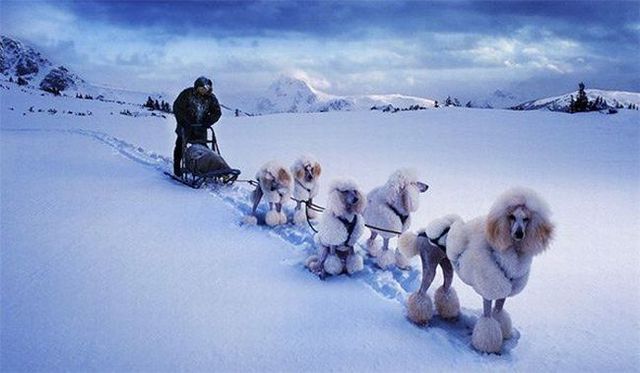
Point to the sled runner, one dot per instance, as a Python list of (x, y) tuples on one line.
[(201, 160)]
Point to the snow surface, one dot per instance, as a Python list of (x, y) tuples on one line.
[(109, 265)]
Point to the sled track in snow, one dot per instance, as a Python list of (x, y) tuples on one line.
[(391, 284), (394, 284)]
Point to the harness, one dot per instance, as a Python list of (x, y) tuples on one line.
[(435, 241), (403, 217), (303, 187), (496, 259), (350, 226)]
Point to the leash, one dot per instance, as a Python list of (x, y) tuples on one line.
[(317, 208)]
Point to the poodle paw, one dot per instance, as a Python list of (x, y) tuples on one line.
[(314, 265), (355, 263), (505, 323), (386, 260), (333, 265), (374, 248), (272, 218), (283, 217), (447, 303), (419, 308), (401, 261), (299, 217), (487, 336), (250, 220)]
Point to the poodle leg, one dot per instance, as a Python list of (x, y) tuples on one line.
[(373, 247), (487, 335), (315, 263), (354, 263), (388, 257), (256, 196), (446, 299), (300, 214), (282, 216), (273, 217), (419, 305), (401, 261), (503, 317)]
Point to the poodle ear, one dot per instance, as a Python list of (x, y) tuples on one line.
[(283, 176), (540, 236), (362, 201), (497, 232), (299, 173), (410, 198), (334, 202), (317, 169)]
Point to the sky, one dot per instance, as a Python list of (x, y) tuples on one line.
[(466, 49)]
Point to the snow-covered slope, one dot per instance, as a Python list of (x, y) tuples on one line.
[(614, 99), (291, 95), (109, 265)]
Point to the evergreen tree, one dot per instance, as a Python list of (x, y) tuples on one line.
[(435, 104), (10, 79), (156, 105), (582, 102), (468, 104), (448, 101)]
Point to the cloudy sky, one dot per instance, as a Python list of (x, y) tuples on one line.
[(428, 49)]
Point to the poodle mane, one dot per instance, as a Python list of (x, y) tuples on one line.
[(276, 171), (297, 169), (335, 204), (539, 229)]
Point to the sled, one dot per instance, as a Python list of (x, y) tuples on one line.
[(193, 176)]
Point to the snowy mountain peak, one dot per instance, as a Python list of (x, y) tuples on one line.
[(292, 95), (288, 94), (20, 60), (27, 66)]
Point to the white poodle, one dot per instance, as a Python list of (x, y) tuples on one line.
[(340, 228), (493, 254), (389, 207), (274, 183), (306, 171)]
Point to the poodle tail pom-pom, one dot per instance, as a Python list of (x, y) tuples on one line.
[(408, 244), (250, 220)]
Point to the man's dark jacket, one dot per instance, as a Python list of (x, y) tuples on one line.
[(192, 108)]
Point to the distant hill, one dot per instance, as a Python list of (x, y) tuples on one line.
[(613, 99)]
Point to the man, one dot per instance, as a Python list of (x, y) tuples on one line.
[(194, 106)]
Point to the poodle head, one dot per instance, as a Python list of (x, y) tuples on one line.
[(306, 169), (519, 219), (345, 198), (403, 189), (273, 177)]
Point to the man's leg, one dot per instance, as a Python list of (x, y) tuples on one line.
[(177, 157)]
